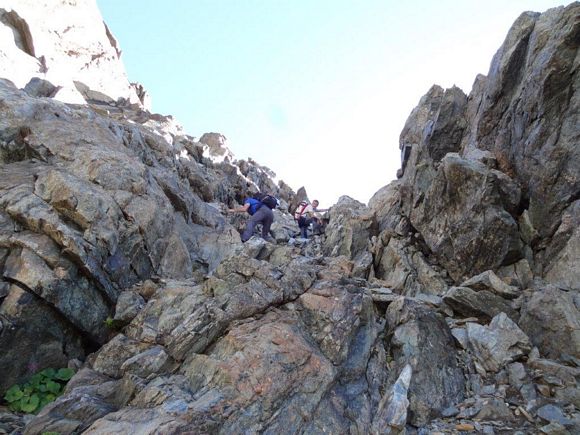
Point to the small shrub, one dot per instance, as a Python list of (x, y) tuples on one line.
[(41, 389), (112, 324)]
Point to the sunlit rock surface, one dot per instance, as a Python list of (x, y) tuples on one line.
[(66, 43)]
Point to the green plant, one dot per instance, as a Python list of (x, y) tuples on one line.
[(112, 324), (42, 388)]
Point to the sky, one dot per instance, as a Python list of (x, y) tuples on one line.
[(316, 90)]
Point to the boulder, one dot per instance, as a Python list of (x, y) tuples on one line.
[(392, 413), (498, 344), (386, 204), (465, 217), (403, 267), (495, 410), (517, 275), (128, 306), (38, 87), (348, 233), (489, 281), (284, 227), (481, 304), (421, 338), (434, 128), (552, 321)]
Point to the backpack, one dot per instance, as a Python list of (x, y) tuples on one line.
[(300, 209), (269, 201)]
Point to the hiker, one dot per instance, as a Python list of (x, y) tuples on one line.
[(318, 221), (306, 214), (261, 212)]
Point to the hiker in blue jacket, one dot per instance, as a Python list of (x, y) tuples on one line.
[(261, 212)]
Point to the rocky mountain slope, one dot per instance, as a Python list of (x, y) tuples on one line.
[(449, 304)]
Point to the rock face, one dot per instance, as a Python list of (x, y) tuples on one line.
[(91, 205), (66, 43), (221, 363), (448, 304), (522, 113)]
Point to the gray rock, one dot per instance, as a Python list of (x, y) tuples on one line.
[(517, 374), (348, 233), (404, 268), (385, 203), (81, 405), (566, 374), (554, 429), (383, 294), (81, 49), (491, 282), (474, 230), (552, 321), (494, 409), (488, 390), (518, 115), (284, 226), (562, 267), (452, 411), (434, 128), (38, 87), (128, 306), (151, 362), (568, 395), (553, 414), (105, 204), (523, 89), (497, 344), (102, 201), (518, 274), (33, 337), (391, 416), (421, 338), (481, 304), (460, 334)]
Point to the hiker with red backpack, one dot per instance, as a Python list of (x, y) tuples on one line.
[(260, 209), (307, 214)]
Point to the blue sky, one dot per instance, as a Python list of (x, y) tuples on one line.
[(316, 90)]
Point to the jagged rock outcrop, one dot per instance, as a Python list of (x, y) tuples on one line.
[(481, 174), (522, 113), (449, 304)]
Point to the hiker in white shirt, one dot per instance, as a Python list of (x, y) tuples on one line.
[(306, 214)]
